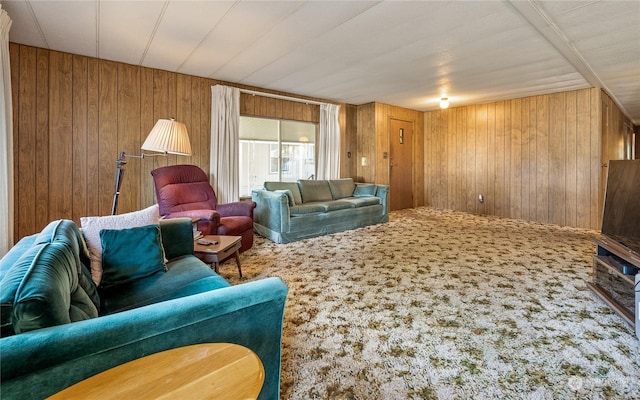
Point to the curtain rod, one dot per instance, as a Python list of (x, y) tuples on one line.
[(277, 96)]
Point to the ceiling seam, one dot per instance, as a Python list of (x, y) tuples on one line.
[(155, 30), (535, 15), (35, 21), (206, 36)]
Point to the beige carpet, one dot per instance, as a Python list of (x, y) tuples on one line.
[(446, 305)]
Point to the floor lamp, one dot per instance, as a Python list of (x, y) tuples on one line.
[(167, 137)]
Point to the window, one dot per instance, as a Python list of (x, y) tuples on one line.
[(275, 150)]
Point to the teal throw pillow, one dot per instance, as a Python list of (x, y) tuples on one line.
[(365, 190), (130, 254)]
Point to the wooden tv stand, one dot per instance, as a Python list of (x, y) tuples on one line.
[(615, 256)]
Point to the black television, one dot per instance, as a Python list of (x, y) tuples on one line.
[(621, 211)]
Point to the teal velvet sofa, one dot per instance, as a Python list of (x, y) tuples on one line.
[(290, 211), (59, 328)]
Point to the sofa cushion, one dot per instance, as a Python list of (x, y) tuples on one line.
[(341, 188), (292, 186), (363, 201), (305, 209), (185, 276), (365, 190), (130, 254), (91, 227), (339, 205), (313, 190), (41, 289), (289, 195)]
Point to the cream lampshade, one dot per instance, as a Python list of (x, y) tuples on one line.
[(168, 136)]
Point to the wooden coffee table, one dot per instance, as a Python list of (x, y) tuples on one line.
[(224, 247), (222, 371)]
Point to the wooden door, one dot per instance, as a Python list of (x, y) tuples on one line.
[(400, 164)]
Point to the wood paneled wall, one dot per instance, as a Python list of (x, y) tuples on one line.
[(535, 158), (73, 115), (373, 143)]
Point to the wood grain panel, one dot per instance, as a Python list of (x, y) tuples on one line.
[(481, 158), (499, 158), (80, 139), (460, 177), (93, 137), (147, 121), (526, 160), (194, 122), (583, 154), (108, 128), (128, 138), (26, 144), (597, 184), (557, 158), (571, 159), (470, 134), (61, 127), (514, 135), (491, 160), (534, 158), (542, 159), (42, 139)]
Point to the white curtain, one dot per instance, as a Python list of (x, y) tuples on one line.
[(224, 165), (329, 146), (6, 139)]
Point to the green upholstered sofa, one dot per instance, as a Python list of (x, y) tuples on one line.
[(290, 211), (59, 329)]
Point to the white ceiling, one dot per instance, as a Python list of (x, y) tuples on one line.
[(407, 54)]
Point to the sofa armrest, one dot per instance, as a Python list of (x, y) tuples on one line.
[(177, 237), (272, 209), (382, 191), (236, 209), (40, 363)]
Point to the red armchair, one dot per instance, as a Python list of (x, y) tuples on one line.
[(184, 191)]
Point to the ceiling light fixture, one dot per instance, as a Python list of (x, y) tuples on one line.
[(444, 102)]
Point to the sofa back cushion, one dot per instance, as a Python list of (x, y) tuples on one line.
[(292, 186), (41, 289), (341, 188), (313, 190)]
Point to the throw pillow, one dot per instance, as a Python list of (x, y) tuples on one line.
[(289, 195), (365, 190), (293, 186), (130, 254), (91, 227)]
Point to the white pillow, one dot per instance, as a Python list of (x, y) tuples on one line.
[(91, 227)]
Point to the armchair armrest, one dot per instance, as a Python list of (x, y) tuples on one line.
[(236, 209), (208, 220)]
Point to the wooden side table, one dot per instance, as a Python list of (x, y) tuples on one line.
[(221, 371), (223, 248)]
